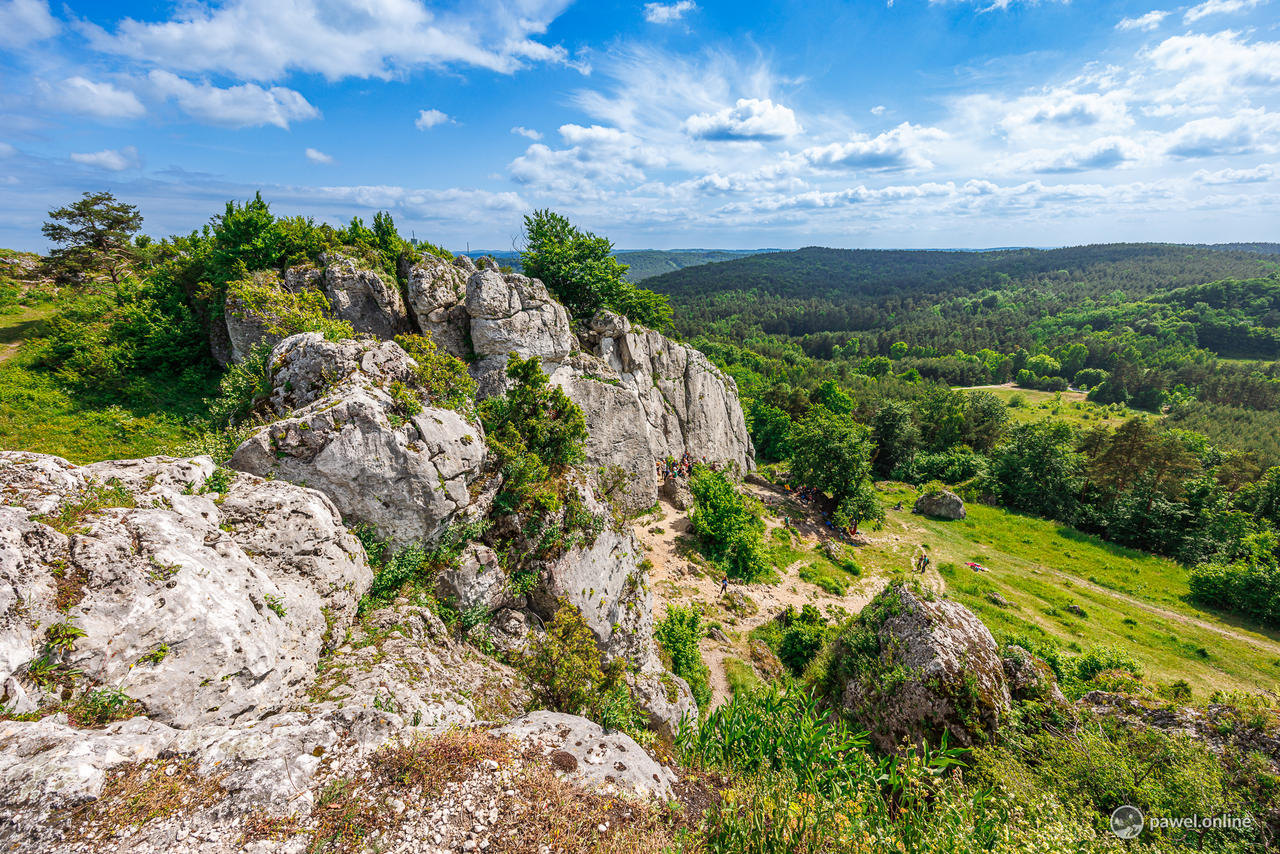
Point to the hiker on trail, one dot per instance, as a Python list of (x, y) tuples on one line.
[(724, 585)]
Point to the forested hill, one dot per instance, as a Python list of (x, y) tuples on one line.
[(815, 272), (942, 299)]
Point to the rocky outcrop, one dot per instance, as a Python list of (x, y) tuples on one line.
[(48, 768), (645, 397), (202, 595), (407, 474), (437, 302), (936, 671), (476, 581), (666, 700), (270, 307), (609, 762), (940, 504), (1031, 678), (402, 661), (363, 297)]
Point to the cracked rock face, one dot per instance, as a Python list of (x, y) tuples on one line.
[(939, 670), (407, 475), (363, 297), (610, 762), (203, 606)]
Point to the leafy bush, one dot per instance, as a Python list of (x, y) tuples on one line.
[(729, 526), (443, 378), (1250, 585), (678, 634), (579, 269), (563, 665), (802, 636), (284, 313)]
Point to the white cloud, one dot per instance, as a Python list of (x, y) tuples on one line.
[(428, 119), (597, 156), (1147, 22), (246, 105), (103, 100), (1213, 68), (1246, 132), (526, 132), (1217, 7), (878, 110), (113, 160), (24, 22), (7, 150), (1257, 175), (1104, 153), (1065, 109), (903, 147), (749, 119), (993, 5), (252, 40), (317, 156), (666, 13)]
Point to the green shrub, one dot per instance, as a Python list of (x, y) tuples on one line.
[(729, 526), (1099, 659), (441, 377), (563, 665), (580, 271), (678, 634), (283, 313), (803, 635)]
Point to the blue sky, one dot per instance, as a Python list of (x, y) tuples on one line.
[(911, 123)]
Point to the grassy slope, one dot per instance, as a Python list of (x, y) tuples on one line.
[(1071, 406), (37, 414), (1041, 568)]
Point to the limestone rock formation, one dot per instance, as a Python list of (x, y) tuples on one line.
[(940, 504), (937, 671), (610, 762), (205, 598), (363, 297), (401, 660), (406, 474), (437, 297), (1030, 677)]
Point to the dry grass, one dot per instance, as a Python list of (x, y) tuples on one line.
[(350, 811), (142, 792), (567, 819)]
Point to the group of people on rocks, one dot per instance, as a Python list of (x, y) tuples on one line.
[(671, 467)]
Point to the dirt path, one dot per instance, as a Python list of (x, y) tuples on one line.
[(1173, 616), (668, 538)]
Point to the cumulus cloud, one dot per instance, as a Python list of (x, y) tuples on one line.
[(112, 160), (877, 110), (246, 105), (1147, 22), (24, 22), (519, 130), (903, 147), (1066, 109), (252, 40), (427, 119), (749, 119), (1246, 132), (104, 100), (1209, 68), (1217, 7), (1257, 175), (596, 156), (1104, 153), (317, 156), (667, 13)]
